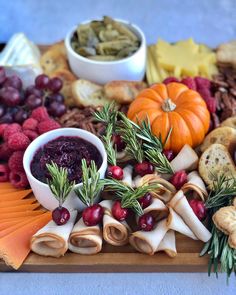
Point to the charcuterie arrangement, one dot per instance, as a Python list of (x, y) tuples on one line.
[(107, 140)]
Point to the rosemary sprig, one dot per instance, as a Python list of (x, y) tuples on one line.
[(128, 195), (107, 115), (128, 131), (159, 160), (107, 141), (59, 183), (91, 184), (222, 256)]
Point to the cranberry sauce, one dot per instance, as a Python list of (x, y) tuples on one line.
[(66, 152)]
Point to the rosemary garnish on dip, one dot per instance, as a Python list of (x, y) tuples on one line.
[(60, 187), (222, 256)]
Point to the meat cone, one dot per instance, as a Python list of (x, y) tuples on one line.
[(195, 183), (157, 209), (52, 239), (168, 244)]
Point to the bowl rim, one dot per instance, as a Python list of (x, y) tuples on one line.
[(136, 28), (27, 165)]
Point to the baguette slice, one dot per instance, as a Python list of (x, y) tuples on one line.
[(87, 93), (224, 135), (230, 122), (216, 160)]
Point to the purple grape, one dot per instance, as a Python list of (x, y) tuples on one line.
[(7, 118), (2, 110), (55, 84), (10, 96), (42, 81), (20, 116), (13, 81), (2, 75), (33, 101), (33, 90), (57, 109), (57, 97)]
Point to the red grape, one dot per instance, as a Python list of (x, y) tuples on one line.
[(10, 96), (33, 101), (6, 118), (2, 110), (20, 116), (58, 97), (55, 84), (2, 75), (33, 90), (57, 109), (13, 81), (42, 81)]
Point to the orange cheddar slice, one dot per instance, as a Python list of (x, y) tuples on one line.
[(17, 203), (15, 195), (9, 222), (21, 208), (20, 214), (15, 246)]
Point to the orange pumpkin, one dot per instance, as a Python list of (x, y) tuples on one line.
[(173, 105)]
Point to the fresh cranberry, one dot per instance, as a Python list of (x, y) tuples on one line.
[(92, 215), (146, 222), (118, 212), (60, 215), (115, 172), (169, 154), (199, 208), (145, 200), (179, 179), (144, 168), (118, 142)]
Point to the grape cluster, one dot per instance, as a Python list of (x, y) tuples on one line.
[(17, 104)]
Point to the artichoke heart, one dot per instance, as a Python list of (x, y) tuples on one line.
[(112, 47)]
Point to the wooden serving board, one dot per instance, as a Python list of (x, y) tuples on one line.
[(119, 259)]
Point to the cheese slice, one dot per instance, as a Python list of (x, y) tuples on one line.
[(21, 208), (14, 195)]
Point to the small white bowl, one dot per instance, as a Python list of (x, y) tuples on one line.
[(131, 68), (41, 190)]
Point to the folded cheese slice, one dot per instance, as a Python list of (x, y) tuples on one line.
[(85, 239), (52, 239)]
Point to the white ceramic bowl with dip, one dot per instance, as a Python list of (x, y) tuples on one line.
[(131, 68), (41, 190)]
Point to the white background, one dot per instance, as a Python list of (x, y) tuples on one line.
[(46, 21)]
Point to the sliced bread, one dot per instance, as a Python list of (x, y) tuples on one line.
[(231, 122), (216, 160)]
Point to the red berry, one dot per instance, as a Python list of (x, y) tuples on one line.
[(30, 124), (4, 172), (55, 84), (40, 114), (211, 104), (179, 179), (190, 83), (145, 200), (60, 215), (146, 222), (47, 125), (118, 212), (199, 208), (11, 129), (92, 215), (118, 142), (2, 128), (115, 172), (18, 179), (42, 81), (144, 168), (30, 134), (15, 162), (202, 82), (169, 154), (5, 151), (170, 80), (18, 141)]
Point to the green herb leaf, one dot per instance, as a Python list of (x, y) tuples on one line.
[(107, 115), (107, 140), (159, 160)]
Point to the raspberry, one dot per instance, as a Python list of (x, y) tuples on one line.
[(30, 124), (30, 134), (4, 172), (11, 129), (5, 151), (18, 141), (18, 179), (47, 125), (179, 179), (202, 82), (40, 114), (190, 83), (2, 128), (169, 80), (15, 162), (211, 104)]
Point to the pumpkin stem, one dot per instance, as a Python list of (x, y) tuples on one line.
[(168, 105)]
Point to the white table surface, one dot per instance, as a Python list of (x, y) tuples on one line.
[(45, 21)]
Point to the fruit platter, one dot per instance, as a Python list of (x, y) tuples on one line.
[(117, 155)]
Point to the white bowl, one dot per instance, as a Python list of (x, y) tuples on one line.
[(41, 190), (131, 68)]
